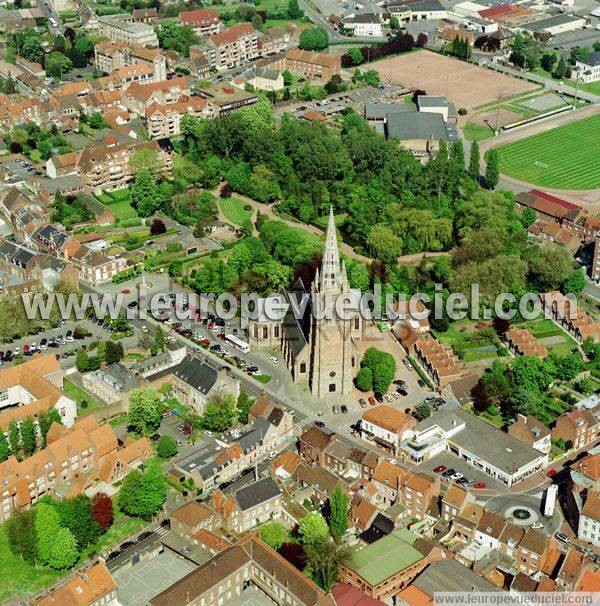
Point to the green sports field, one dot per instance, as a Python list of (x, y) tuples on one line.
[(565, 157)]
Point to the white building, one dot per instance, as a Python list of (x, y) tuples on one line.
[(558, 24), (122, 27), (364, 25), (589, 519), (589, 70)]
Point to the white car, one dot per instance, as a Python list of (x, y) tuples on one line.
[(16, 351), (389, 398), (144, 328), (274, 359), (272, 454), (208, 433), (537, 525), (456, 476)]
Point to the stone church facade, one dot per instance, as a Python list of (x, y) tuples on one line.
[(318, 348)]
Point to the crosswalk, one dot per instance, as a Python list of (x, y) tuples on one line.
[(304, 423), (161, 530)]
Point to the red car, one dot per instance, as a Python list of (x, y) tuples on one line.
[(551, 473), (372, 401), (125, 291), (205, 342), (479, 485), (440, 469)]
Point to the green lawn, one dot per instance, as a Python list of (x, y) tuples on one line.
[(80, 395), (234, 211), (18, 577), (119, 202), (570, 153), (476, 132)]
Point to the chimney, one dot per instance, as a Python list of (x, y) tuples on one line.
[(521, 417)]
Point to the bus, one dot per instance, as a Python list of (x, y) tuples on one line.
[(238, 343), (550, 500)]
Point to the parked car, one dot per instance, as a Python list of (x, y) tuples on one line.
[(319, 424), (456, 476), (208, 433), (462, 481), (440, 469), (145, 535), (449, 472), (125, 291), (379, 398), (479, 485), (422, 383), (536, 525), (335, 409), (362, 403), (563, 538), (344, 408), (372, 401)]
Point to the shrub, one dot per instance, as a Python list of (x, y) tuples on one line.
[(462, 111)]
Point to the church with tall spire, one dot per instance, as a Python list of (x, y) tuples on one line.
[(319, 346)]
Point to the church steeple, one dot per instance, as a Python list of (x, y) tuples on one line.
[(332, 276)]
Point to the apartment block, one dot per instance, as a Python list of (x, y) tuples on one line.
[(139, 97), (122, 27), (110, 56), (589, 519), (385, 426), (204, 22), (234, 46), (164, 121)]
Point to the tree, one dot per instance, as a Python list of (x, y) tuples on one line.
[(144, 194), (166, 447), (144, 160), (113, 353), (14, 438), (57, 64), (355, 55), (324, 562), (314, 39), (46, 528), (96, 121), (244, 404), (102, 510), (145, 407), (20, 532), (28, 437), (528, 217), (552, 267), (4, 447), (364, 379), (82, 361), (294, 11), (421, 40), (274, 534), (176, 37), (220, 412), (288, 78), (474, 161), (334, 85), (157, 227), (63, 553), (142, 495), (548, 61), (76, 515), (569, 366), (561, 69), (160, 341), (492, 169), (395, 23), (422, 411), (382, 366), (313, 529), (339, 505), (575, 283)]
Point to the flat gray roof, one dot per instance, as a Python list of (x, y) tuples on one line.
[(450, 575), (542, 24)]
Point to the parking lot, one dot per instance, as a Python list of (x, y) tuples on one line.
[(140, 583), (451, 461)]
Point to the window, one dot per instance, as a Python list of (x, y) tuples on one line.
[(276, 331), (265, 332), (331, 387), (357, 323), (302, 367), (3, 395)]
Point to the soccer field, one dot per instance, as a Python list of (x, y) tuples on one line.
[(566, 157)]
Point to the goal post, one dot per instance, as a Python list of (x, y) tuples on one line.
[(539, 164)]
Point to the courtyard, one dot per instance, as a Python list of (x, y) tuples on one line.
[(140, 583)]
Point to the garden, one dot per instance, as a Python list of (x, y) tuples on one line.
[(119, 202)]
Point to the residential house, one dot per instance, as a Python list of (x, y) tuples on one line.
[(564, 311), (363, 25), (521, 342), (111, 56), (385, 426), (194, 381), (272, 41), (490, 529), (588, 528), (578, 428), (588, 70), (532, 551), (75, 453), (439, 361), (309, 64), (530, 431), (313, 443), (192, 517), (453, 501), (260, 78), (316, 484), (277, 416), (387, 478), (95, 266), (92, 587), (111, 384), (139, 97), (249, 506), (164, 121), (572, 569), (417, 492), (336, 456), (145, 15)]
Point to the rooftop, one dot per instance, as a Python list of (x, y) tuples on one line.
[(386, 557)]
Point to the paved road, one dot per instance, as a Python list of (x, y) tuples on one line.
[(47, 8)]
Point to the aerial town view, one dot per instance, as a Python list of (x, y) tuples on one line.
[(299, 302)]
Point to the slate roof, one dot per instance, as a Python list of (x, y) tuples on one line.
[(256, 493), (197, 373)]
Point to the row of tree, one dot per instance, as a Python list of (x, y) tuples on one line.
[(107, 352), (27, 436), (55, 532)]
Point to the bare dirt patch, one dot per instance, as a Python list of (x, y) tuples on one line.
[(464, 84)]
